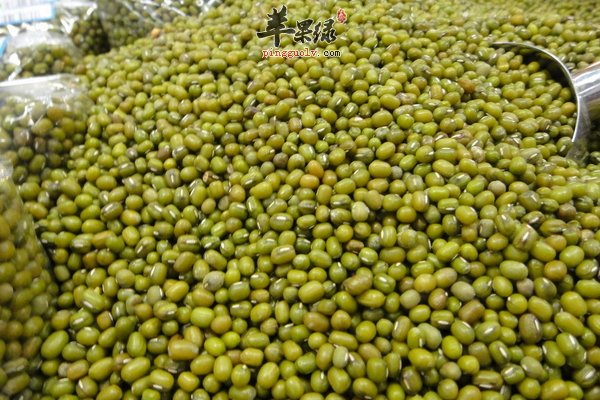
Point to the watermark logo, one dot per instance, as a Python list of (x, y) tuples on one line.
[(341, 16), (306, 31), (299, 53), (275, 52)]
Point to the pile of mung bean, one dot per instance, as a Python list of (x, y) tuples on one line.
[(399, 222)]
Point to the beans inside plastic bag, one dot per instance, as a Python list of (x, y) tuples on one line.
[(41, 119), (77, 19), (27, 295), (127, 20), (32, 54)]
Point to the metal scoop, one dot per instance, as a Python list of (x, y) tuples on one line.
[(585, 86)]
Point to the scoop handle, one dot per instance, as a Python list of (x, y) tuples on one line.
[(587, 87)]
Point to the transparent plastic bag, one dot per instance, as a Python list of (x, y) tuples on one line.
[(81, 21), (41, 120), (127, 20), (27, 294), (78, 19), (31, 54)]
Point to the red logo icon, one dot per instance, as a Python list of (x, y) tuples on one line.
[(341, 16)]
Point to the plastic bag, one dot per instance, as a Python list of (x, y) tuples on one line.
[(27, 294), (127, 20), (37, 54), (81, 21), (78, 19), (41, 120)]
